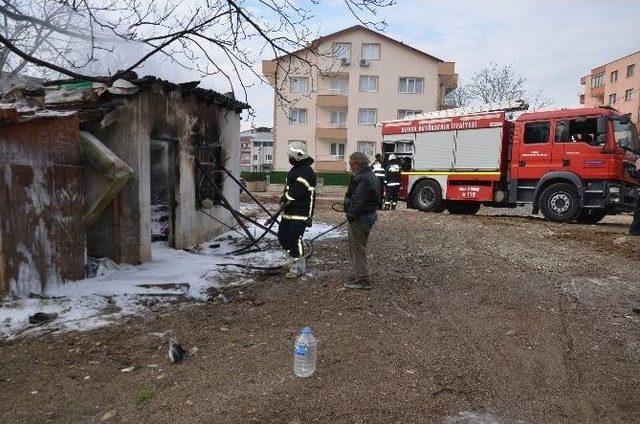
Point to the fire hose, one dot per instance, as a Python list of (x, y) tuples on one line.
[(273, 221)]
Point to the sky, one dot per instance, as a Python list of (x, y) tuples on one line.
[(550, 43)]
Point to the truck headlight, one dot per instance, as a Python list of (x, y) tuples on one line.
[(614, 190)]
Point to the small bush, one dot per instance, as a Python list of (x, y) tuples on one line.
[(254, 176), (143, 396)]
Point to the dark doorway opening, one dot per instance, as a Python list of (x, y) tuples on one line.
[(162, 182)]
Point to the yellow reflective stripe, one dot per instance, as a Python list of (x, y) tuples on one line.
[(305, 182), (295, 217), (300, 247), (311, 204), (450, 173), (288, 197)]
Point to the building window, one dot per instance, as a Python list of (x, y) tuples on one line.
[(614, 76), (630, 70), (403, 113), (337, 149), (339, 86), (368, 84), (208, 158), (300, 85), (367, 116), (582, 99), (628, 94), (268, 157), (367, 147), (370, 51), (255, 157), (536, 132), (410, 85), (612, 99), (299, 116), (339, 118), (597, 80), (341, 51)]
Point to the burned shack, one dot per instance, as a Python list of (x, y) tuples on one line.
[(153, 154)]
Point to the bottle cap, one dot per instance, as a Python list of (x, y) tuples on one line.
[(306, 330)]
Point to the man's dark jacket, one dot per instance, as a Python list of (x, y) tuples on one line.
[(363, 195), (300, 192)]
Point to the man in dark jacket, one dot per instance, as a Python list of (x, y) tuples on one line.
[(635, 225), (392, 183), (298, 200), (360, 204)]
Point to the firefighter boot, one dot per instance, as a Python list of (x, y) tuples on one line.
[(298, 268), (287, 265), (393, 206)]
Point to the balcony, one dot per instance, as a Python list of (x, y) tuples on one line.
[(330, 163), (447, 77), (597, 92), (327, 130), (269, 70), (332, 98)]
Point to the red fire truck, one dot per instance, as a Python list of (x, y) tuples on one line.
[(571, 164)]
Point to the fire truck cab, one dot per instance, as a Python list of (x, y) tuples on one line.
[(570, 164)]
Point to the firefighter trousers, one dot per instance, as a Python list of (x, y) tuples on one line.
[(392, 194), (381, 181), (290, 234)]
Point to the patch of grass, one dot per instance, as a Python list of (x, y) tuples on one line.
[(143, 396)]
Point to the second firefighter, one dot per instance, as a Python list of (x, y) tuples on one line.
[(392, 183)]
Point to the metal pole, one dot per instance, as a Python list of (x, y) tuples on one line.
[(247, 191)]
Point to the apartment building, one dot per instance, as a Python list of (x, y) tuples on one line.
[(256, 150), (615, 84), (332, 94)]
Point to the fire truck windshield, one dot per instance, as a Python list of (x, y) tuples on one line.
[(626, 136)]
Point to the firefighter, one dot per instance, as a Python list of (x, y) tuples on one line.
[(298, 201), (392, 183), (635, 225), (379, 172)]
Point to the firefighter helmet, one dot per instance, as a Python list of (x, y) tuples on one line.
[(392, 157), (297, 150)]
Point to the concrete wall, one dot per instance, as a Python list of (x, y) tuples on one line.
[(123, 232)]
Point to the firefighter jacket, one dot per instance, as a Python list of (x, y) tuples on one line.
[(300, 191), (363, 194), (393, 174), (378, 169)]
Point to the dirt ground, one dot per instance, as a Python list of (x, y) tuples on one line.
[(472, 319)]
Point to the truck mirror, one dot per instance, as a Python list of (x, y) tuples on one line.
[(624, 119), (601, 140), (602, 125)]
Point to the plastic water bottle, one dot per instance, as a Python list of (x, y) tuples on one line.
[(305, 353)]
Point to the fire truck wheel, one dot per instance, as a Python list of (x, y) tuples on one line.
[(591, 216), (427, 196), (559, 202), (463, 208)]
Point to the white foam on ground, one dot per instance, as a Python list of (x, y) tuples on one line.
[(95, 302)]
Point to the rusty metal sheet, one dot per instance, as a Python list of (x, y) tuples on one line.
[(41, 205)]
